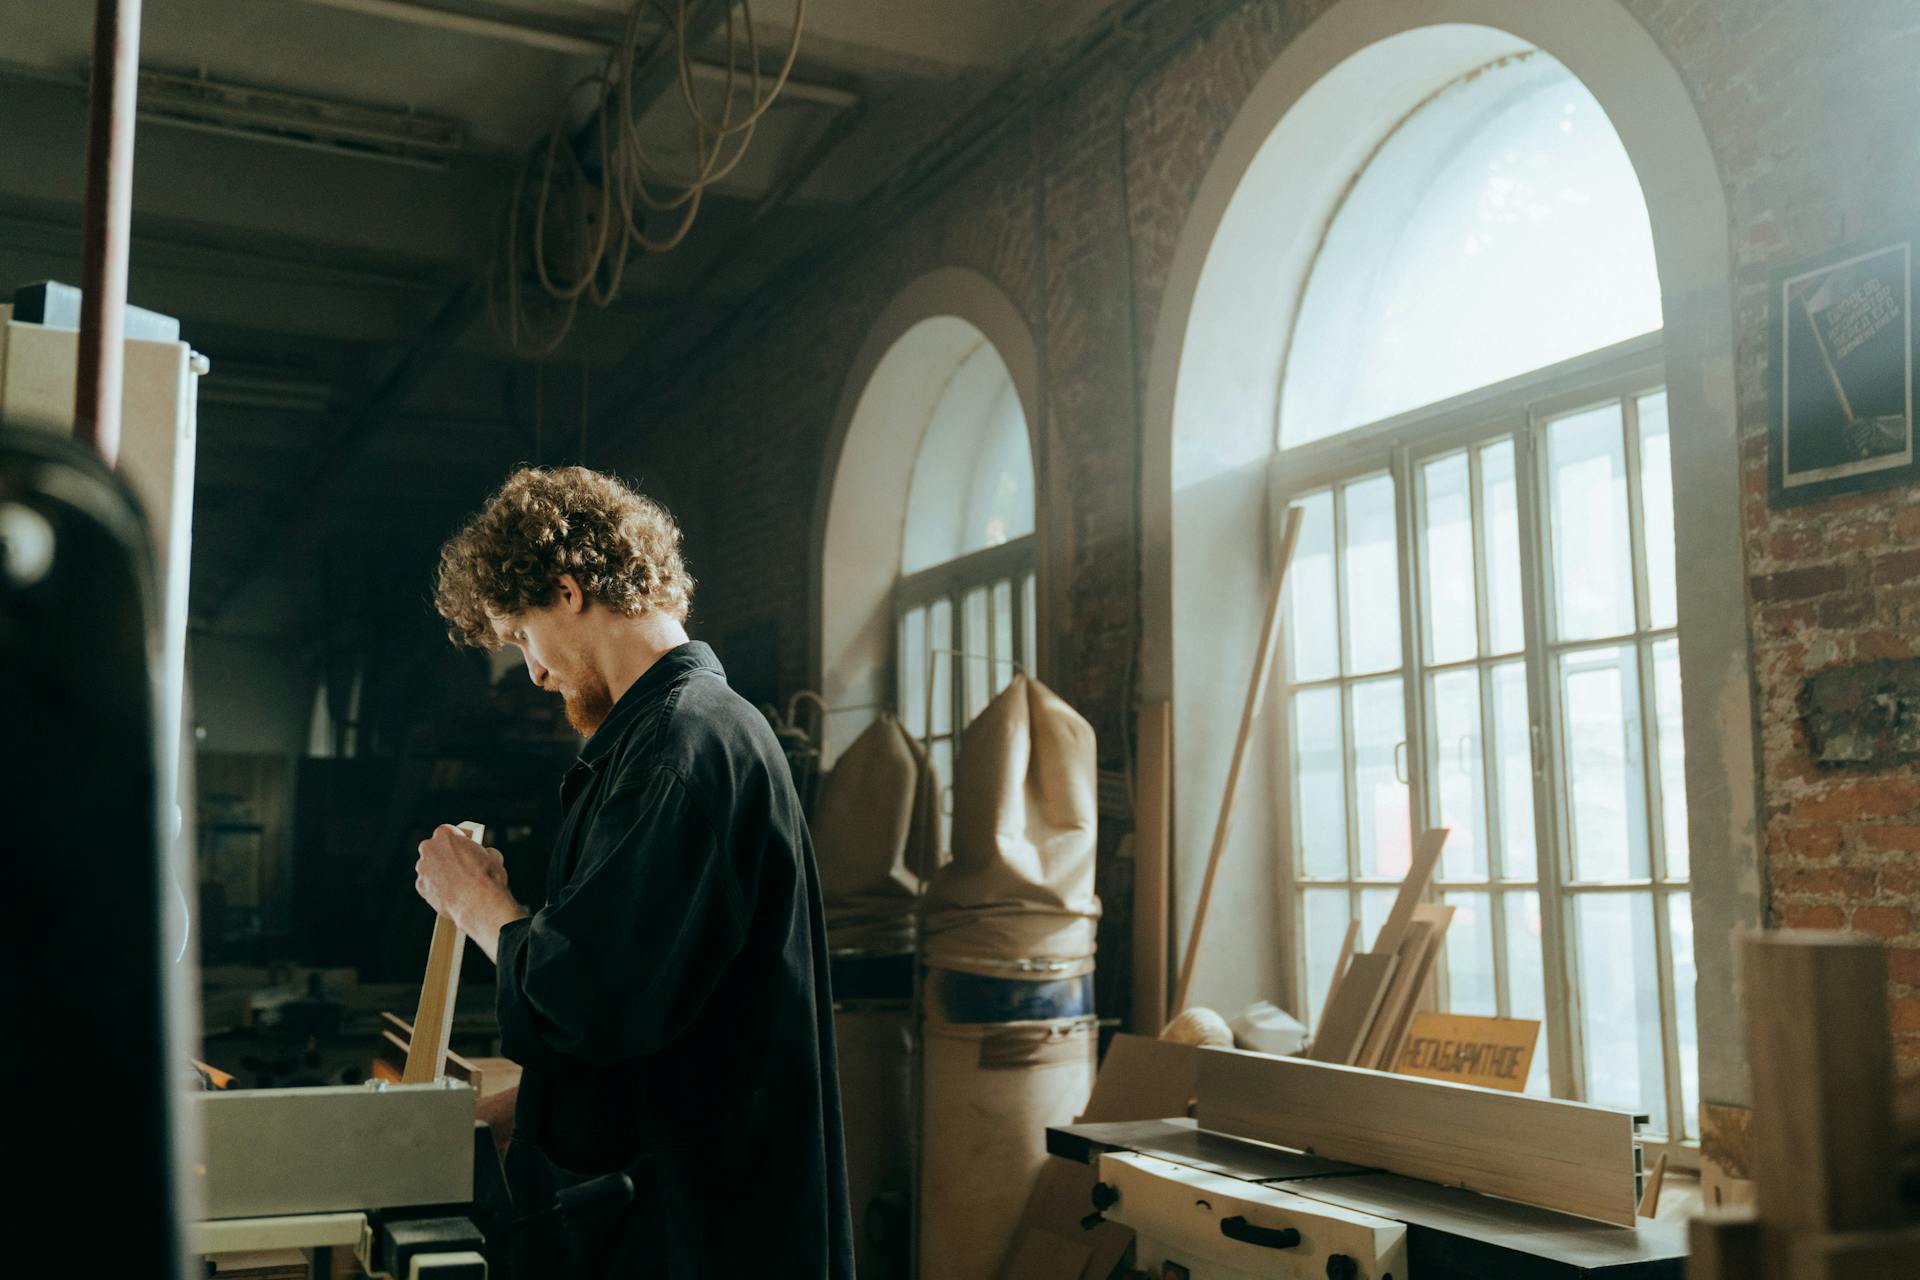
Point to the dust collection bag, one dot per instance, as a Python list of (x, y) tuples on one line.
[(1020, 884), (875, 840)]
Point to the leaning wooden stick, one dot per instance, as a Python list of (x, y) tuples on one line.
[(433, 1024), (1256, 691)]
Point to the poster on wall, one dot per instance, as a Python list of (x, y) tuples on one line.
[(1843, 374)]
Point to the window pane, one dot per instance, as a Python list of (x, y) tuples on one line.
[(972, 484), (1527, 978), (1673, 757), (974, 672), (940, 624), (1030, 622), (1325, 913), (1312, 628), (1002, 635), (1470, 986), (1458, 773), (1500, 535), (1446, 547), (1375, 906), (942, 753), (1320, 792), (1656, 500), (1371, 561), (913, 672), (1592, 558), (1620, 1003), (1450, 263), (1513, 758), (1685, 979), (1379, 726), (1605, 805)]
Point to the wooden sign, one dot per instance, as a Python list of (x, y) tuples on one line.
[(1495, 1053)]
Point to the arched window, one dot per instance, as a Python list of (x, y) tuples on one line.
[(1482, 623), (964, 604)]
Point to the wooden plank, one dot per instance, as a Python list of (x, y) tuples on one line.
[(1152, 844), (1354, 1005), (1439, 918), (1339, 972), (1426, 855), (1249, 712), (1142, 1079), (1569, 1156), (1820, 1055), (1399, 996), (433, 1024)]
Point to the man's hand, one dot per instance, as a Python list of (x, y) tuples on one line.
[(468, 882)]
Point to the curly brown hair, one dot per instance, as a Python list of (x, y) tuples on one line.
[(622, 547)]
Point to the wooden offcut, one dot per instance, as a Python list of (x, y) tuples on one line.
[(1350, 1014), (1413, 997), (1819, 1051), (433, 1024), (1569, 1156), (1360, 994), (1151, 862)]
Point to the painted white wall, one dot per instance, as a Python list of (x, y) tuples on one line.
[(1210, 418)]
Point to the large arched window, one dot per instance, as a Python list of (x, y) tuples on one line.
[(1482, 623), (964, 604)]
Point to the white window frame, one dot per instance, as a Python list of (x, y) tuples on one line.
[(1520, 409), (1011, 564)]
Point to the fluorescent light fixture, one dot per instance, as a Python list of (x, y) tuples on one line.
[(295, 120)]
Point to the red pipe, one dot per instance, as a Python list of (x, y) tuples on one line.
[(105, 228)]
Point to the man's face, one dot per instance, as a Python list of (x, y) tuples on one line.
[(552, 640)]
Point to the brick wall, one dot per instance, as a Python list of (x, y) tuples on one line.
[(1075, 211)]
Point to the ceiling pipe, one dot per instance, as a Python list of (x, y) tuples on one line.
[(106, 225), (556, 40)]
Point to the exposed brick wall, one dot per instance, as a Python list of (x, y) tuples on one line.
[(1810, 108)]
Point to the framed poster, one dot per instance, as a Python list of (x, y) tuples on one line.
[(1843, 374)]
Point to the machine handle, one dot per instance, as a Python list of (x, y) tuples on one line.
[(1238, 1228)]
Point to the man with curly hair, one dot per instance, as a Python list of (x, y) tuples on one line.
[(668, 1004)]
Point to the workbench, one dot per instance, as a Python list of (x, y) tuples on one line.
[(1452, 1234)]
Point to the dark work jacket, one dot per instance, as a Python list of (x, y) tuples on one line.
[(669, 1003)]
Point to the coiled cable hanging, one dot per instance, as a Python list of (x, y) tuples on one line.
[(595, 223)]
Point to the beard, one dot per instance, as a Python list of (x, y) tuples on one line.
[(587, 706)]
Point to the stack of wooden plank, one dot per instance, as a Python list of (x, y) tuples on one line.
[(1374, 994)]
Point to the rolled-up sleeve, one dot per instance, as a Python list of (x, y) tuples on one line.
[(629, 950)]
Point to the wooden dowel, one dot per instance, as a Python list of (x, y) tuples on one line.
[(106, 224), (1256, 691)]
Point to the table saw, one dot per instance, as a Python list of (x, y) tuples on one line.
[(1210, 1206)]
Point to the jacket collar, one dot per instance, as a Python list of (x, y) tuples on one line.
[(668, 670)]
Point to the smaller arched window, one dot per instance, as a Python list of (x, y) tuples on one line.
[(973, 478), (965, 601)]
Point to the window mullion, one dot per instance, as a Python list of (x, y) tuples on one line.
[(1349, 756), (1669, 1016), (1420, 810), (1562, 1008)]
